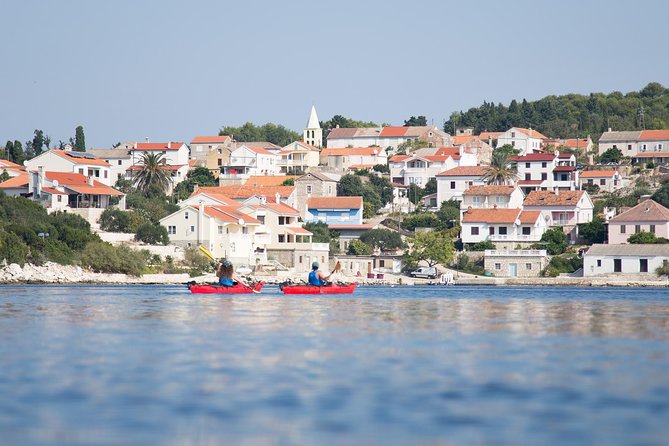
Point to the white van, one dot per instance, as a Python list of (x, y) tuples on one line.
[(424, 271)]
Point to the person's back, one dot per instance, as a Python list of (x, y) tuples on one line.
[(225, 273), (316, 277)]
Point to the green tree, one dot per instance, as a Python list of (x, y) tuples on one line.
[(358, 248), (508, 150), (114, 220), (642, 237), (18, 155), (435, 247), (420, 121), (288, 182), (9, 151), (612, 155), (34, 147), (554, 241), (4, 176), (423, 220), (448, 214), (276, 134), (152, 177), (661, 195), (323, 234), (152, 234), (595, 231), (79, 140), (482, 246), (430, 187), (200, 176), (501, 171), (383, 239)]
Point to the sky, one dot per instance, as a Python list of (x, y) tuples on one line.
[(127, 70)]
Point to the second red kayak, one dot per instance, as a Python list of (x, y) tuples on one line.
[(313, 289), (204, 288)]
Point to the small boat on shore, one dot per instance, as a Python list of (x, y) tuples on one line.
[(208, 288), (314, 289)]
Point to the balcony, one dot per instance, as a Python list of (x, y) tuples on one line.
[(514, 238), (516, 252)]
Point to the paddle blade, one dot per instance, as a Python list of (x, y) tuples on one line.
[(206, 252), (337, 267)]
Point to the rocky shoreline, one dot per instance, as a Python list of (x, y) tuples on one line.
[(53, 273)]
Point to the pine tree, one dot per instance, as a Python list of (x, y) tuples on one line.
[(79, 141)]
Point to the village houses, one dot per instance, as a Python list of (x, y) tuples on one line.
[(506, 228), (546, 171), (526, 140), (353, 158), (648, 216), (452, 183), (212, 152)]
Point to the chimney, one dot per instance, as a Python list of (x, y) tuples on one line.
[(609, 129), (200, 221), (89, 180), (469, 210), (277, 198), (644, 198), (146, 139), (195, 187), (40, 180), (134, 145), (169, 145)]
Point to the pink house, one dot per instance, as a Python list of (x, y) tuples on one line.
[(648, 216)]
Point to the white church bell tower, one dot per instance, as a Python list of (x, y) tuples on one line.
[(313, 134)]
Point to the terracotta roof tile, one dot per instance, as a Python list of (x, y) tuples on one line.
[(651, 155), (491, 215), (211, 139), (463, 171), (531, 133), (550, 198), (529, 217), (648, 210), (398, 158), (654, 135), (224, 199), (18, 181), (244, 191), (390, 132), (268, 180), (230, 214), (598, 173), (489, 190), (533, 157), (151, 146), (76, 160), (490, 135), (334, 203), (362, 151)]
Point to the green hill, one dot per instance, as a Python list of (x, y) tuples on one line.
[(572, 115)]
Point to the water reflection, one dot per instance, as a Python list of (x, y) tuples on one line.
[(86, 365)]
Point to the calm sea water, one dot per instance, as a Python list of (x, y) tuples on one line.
[(412, 365)]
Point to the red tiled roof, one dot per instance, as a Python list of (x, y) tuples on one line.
[(648, 210), (654, 135), (342, 132), (565, 155), (268, 180), (463, 171), (364, 151), (98, 189), (530, 182), (52, 191), (227, 213), (448, 151), (151, 146), (550, 198), (490, 215), (216, 196), (490, 135), (461, 139), (244, 191), (435, 158), (651, 155), (398, 158), (16, 182), (564, 168), (394, 131), (531, 133), (489, 190), (168, 167), (297, 230), (598, 173), (533, 157), (529, 217), (6, 164), (258, 150), (76, 160), (210, 139), (360, 166), (334, 203), (580, 143)]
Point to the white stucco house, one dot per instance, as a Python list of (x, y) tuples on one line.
[(246, 161), (525, 140), (621, 260), (452, 183), (506, 228), (83, 163)]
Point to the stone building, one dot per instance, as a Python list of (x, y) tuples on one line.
[(515, 263)]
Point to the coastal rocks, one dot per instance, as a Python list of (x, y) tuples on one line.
[(55, 273)]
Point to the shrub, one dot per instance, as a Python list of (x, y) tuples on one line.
[(105, 258), (562, 264), (358, 248), (414, 221), (664, 269), (482, 246), (554, 241), (12, 248), (152, 234), (114, 220)]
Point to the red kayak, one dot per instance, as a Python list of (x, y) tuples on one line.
[(313, 289), (205, 288)]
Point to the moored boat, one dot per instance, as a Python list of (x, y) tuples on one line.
[(207, 288), (314, 289)]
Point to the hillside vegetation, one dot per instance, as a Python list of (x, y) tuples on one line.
[(572, 115)]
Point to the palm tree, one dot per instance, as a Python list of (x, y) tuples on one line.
[(153, 176), (501, 171)]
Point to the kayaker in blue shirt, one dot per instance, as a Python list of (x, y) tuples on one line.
[(316, 277), (226, 274)]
